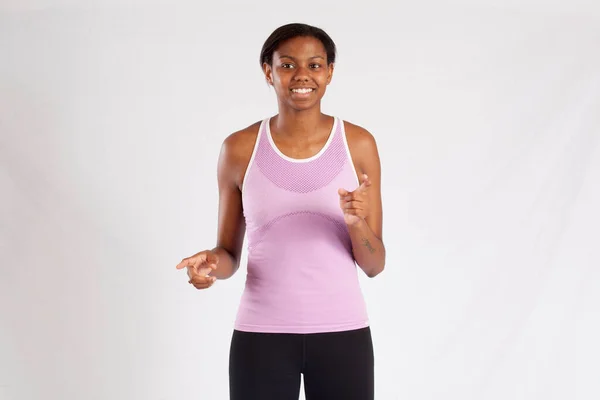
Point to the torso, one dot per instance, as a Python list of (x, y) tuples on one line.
[(301, 273)]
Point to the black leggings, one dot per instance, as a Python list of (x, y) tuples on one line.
[(267, 366)]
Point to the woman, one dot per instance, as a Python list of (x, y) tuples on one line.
[(306, 188)]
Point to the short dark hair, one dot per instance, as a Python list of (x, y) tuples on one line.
[(293, 30)]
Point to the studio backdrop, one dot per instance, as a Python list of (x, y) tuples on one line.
[(487, 118)]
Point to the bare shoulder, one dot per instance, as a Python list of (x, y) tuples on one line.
[(238, 143), (362, 145), (236, 152)]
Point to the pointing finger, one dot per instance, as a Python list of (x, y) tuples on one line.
[(184, 263), (343, 192)]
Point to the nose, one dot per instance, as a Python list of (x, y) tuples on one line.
[(302, 74)]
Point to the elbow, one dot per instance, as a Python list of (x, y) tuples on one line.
[(378, 267), (373, 272)]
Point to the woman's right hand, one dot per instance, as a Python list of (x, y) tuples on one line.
[(199, 266)]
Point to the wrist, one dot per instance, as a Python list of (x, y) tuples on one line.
[(359, 226)]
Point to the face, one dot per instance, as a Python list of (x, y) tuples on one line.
[(300, 72)]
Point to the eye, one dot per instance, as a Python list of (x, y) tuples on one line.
[(315, 66), (287, 65)]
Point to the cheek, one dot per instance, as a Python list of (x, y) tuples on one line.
[(281, 80), (278, 85), (323, 79)]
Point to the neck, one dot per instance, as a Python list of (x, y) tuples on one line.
[(294, 123)]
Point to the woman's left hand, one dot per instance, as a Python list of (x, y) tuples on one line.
[(355, 204)]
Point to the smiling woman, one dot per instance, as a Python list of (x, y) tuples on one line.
[(305, 186)]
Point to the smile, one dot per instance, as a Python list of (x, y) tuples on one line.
[(303, 90)]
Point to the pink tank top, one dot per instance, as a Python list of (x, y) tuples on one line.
[(301, 274)]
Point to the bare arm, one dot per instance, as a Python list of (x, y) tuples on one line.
[(204, 267), (233, 161), (367, 242)]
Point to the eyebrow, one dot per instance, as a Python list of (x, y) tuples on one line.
[(290, 57)]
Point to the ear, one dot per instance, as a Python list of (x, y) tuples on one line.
[(268, 71), (330, 69)]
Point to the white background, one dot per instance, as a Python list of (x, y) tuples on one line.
[(487, 117)]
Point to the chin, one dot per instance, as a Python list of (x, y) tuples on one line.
[(302, 107)]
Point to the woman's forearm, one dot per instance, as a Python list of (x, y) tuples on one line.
[(368, 249)]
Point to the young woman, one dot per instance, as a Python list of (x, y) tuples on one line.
[(306, 188)]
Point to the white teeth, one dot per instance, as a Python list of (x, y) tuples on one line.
[(307, 90)]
